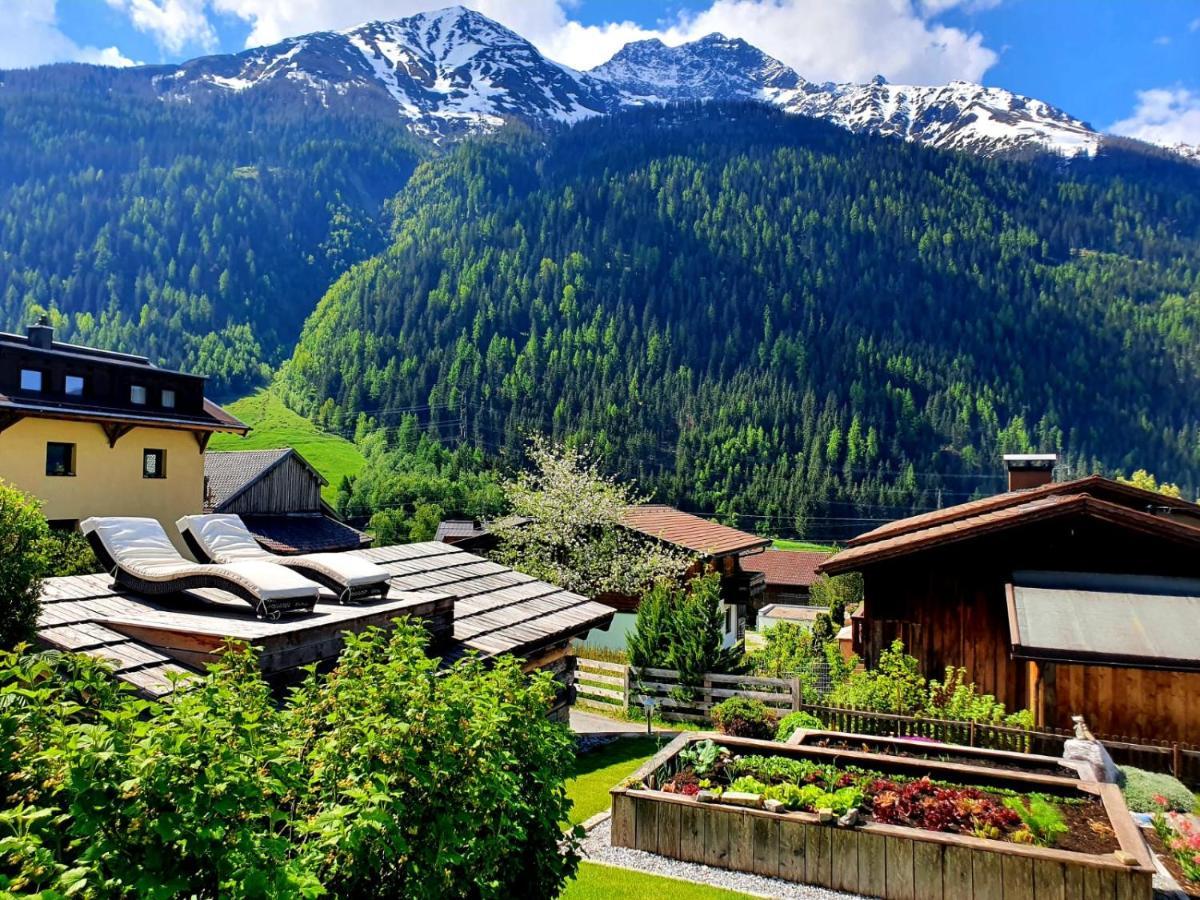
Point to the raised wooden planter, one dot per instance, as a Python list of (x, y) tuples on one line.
[(1009, 759), (878, 860)]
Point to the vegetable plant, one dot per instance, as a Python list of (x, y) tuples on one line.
[(702, 757), (793, 722), (1042, 821)]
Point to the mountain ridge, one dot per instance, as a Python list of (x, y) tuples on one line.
[(454, 72)]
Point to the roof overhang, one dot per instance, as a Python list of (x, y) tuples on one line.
[(1129, 621), (107, 417)]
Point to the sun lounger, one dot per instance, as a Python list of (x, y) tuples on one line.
[(142, 558), (225, 538)]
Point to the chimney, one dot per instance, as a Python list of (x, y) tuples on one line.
[(1029, 470), (41, 333)]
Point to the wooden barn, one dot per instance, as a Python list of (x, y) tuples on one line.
[(1080, 597), (278, 495)]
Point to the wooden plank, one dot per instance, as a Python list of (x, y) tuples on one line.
[(600, 664), (716, 837), (791, 849), (986, 875), (1073, 883), (741, 842), (927, 871), (1133, 885), (872, 865), (668, 830), (765, 837), (585, 675), (1099, 884), (623, 828), (899, 854), (582, 688), (845, 859), (646, 836), (1018, 878), (957, 875), (818, 844), (1049, 880), (691, 832)]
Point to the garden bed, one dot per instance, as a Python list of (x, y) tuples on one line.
[(935, 750), (883, 825)]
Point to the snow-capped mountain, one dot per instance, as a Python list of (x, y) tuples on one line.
[(456, 71), (447, 72)]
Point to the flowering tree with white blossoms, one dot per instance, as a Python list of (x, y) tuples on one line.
[(566, 528)]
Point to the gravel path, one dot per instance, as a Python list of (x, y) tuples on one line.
[(596, 847)]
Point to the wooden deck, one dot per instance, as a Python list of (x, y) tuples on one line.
[(467, 603)]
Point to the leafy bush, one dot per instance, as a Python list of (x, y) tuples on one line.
[(895, 685), (23, 536), (1141, 787), (386, 777), (959, 700), (1043, 823), (68, 553), (793, 722), (741, 717)]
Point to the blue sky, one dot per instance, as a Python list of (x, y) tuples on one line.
[(1135, 65)]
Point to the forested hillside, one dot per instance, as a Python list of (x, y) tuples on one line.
[(756, 313), (200, 235)]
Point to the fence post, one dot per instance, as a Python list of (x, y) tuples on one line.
[(796, 698), (625, 688), (972, 743), (708, 697), (1176, 759)]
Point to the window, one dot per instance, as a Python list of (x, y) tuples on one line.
[(168, 399), (137, 394), (60, 459), (31, 380), (74, 386), (728, 619), (154, 463)]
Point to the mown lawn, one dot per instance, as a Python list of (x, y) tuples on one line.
[(597, 772), (598, 882), (274, 425)]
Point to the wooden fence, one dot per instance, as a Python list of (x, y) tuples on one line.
[(614, 685), (607, 685)]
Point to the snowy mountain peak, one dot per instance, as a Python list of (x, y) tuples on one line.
[(454, 71)]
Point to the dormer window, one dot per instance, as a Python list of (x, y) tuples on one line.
[(137, 395), (168, 399), (73, 386), (31, 380)]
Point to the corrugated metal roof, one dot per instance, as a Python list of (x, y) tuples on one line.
[(690, 532), (1124, 620)]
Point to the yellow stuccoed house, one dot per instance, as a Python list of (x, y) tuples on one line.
[(96, 433)]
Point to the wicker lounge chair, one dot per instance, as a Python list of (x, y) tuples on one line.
[(142, 558), (225, 538)]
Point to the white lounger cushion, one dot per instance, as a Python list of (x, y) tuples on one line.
[(225, 538), (141, 547)]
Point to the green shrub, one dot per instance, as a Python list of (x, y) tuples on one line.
[(741, 717), (1141, 787), (895, 685), (793, 722), (69, 553), (23, 536), (1043, 823), (387, 777)]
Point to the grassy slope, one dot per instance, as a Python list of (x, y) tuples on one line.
[(781, 544), (274, 425), (599, 882)]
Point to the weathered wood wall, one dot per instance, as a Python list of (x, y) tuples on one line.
[(290, 487), (948, 605), (1134, 702)]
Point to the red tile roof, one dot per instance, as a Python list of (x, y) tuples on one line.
[(786, 568), (1038, 505), (690, 532)]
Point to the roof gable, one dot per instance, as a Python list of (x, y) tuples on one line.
[(230, 473), (673, 526)]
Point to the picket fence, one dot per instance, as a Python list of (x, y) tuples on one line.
[(607, 685)]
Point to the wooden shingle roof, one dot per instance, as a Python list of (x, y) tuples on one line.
[(689, 532), (495, 610), (228, 473)]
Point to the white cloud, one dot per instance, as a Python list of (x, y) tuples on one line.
[(1165, 116), (174, 24), (848, 40), (1194, 25), (31, 37)]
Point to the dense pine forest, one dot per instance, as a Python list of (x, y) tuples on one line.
[(767, 318), (200, 235)]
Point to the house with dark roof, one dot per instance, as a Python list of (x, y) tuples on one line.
[(466, 603), (93, 432), (1068, 598), (788, 575), (277, 493)]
